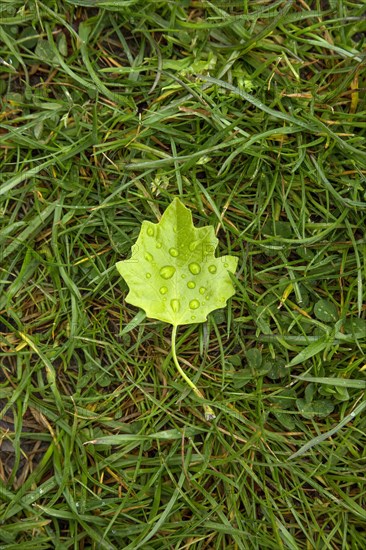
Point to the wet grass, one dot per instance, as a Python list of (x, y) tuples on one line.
[(254, 114)]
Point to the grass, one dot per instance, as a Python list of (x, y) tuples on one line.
[(254, 114)]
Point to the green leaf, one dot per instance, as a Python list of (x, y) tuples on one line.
[(355, 326), (309, 393), (319, 408), (275, 369), (285, 419), (254, 358), (335, 392), (285, 399), (45, 52), (241, 378), (173, 273), (326, 311)]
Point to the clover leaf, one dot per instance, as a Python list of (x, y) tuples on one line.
[(174, 276)]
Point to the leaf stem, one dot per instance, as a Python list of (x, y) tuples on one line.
[(209, 414)]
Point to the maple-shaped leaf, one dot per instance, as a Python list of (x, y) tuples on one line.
[(173, 273)]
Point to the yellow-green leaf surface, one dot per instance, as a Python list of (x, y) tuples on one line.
[(173, 273)]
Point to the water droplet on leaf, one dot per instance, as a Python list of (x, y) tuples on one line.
[(173, 252), (167, 271), (191, 284), (212, 268), (194, 268), (175, 305), (158, 245), (148, 275), (203, 289), (148, 256), (163, 290), (194, 304), (193, 245), (150, 231)]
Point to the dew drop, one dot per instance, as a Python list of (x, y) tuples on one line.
[(150, 231), (191, 284), (158, 245), (203, 289), (192, 247), (194, 268), (163, 290), (167, 271), (173, 252), (175, 229), (193, 317), (148, 275), (183, 275), (148, 256), (226, 264), (175, 305), (207, 297), (212, 268), (194, 304)]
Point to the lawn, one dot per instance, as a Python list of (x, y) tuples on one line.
[(253, 114)]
